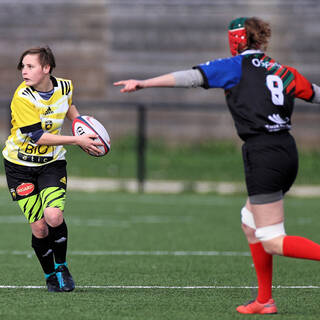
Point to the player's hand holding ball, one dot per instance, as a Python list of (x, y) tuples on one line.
[(95, 139)]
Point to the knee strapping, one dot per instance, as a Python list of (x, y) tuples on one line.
[(270, 232), (247, 218)]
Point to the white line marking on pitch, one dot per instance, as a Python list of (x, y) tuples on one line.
[(164, 287), (138, 253), (108, 222), (162, 253)]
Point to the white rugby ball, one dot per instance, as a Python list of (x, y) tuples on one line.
[(89, 125)]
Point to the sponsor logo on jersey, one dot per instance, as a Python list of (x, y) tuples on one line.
[(25, 189), (265, 64), (48, 111), (280, 123), (275, 117)]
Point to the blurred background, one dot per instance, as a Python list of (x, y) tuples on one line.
[(97, 42)]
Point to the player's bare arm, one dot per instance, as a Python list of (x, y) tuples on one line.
[(166, 80), (131, 85), (72, 112), (85, 141), (181, 79)]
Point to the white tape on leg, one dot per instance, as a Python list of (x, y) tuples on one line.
[(247, 218), (270, 232)]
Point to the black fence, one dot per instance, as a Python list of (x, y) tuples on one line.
[(141, 121)]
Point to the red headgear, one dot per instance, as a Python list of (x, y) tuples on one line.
[(237, 36)]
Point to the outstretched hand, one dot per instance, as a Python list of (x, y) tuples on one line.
[(129, 85)]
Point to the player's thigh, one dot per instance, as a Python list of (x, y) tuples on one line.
[(23, 187), (52, 182), (267, 214), (31, 208)]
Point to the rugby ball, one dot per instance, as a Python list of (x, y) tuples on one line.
[(89, 125)]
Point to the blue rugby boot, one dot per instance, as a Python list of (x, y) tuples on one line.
[(64, 277)]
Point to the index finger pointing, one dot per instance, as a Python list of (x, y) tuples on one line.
[(118, 83)]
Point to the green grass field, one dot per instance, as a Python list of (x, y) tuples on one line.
[(206, 161), (137, 256)]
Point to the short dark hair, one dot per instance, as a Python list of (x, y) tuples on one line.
[(258, 33), (46, 57)]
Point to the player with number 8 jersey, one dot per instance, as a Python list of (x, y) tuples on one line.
[(260, 94)]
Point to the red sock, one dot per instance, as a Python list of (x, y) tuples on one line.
[(263, 265), (299, 247)]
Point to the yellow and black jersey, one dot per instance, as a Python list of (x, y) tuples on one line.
[(30, 113)]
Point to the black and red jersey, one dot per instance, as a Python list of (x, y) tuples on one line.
[(260, 92)]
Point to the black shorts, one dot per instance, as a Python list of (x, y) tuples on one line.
[(270, 163), (26, 181)]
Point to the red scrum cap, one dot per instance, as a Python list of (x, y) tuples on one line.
[(237, 35)]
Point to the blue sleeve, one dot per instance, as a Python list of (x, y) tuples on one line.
[(221, 73), (36, 135)]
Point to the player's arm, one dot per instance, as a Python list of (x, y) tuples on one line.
[(85, 141), (72, 112), (28, 122), (316, 95), (304, 89), (180, 79)]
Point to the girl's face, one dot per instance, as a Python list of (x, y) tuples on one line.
[(33, 73)]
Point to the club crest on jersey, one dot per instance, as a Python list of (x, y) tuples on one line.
[(48, 124), (25, 189)]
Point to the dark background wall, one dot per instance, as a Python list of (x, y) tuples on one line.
[(97, 42)]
